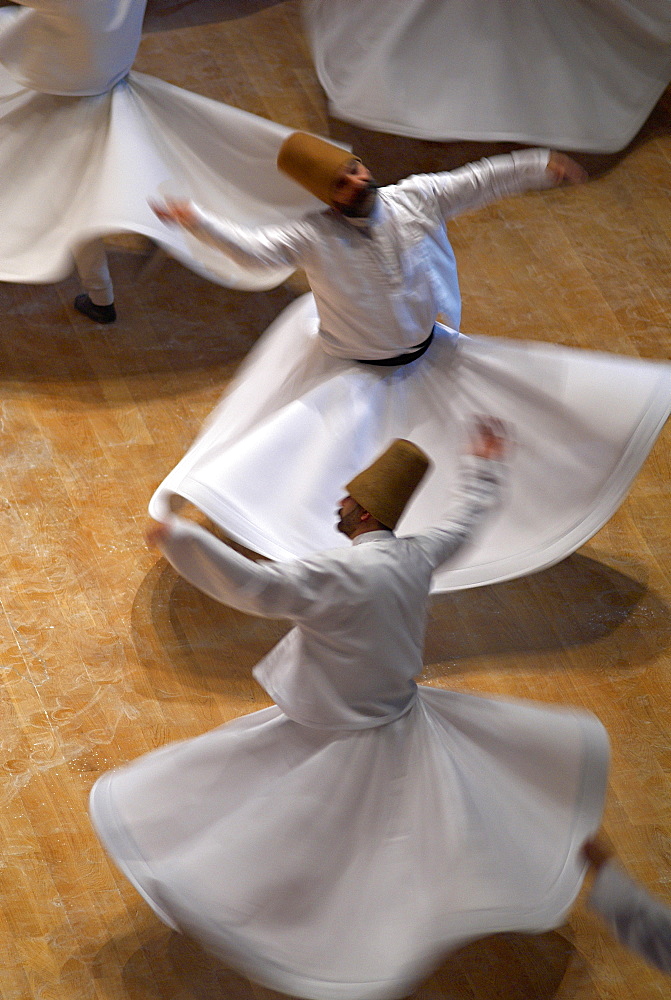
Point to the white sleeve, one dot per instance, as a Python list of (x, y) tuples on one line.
[(258, 248), (638, 920), (479, 490), (269, 589), (477, 184)]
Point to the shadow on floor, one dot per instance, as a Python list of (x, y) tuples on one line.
[(166, 15), (504, 967), (170, 322), (391, 157), (182, 634)]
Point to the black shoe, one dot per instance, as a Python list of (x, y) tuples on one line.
[(99, 314)]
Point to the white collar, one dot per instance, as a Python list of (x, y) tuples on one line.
[(372, 536)]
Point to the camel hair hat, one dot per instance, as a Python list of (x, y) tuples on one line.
[(313, 162), (385, 487)]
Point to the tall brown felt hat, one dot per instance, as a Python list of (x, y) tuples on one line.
[(385, 487), (312, 162)]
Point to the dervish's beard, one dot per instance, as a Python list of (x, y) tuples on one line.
[(363, 202), (347, 522)]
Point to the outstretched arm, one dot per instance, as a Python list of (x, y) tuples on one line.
[(481, 475), (269, 589), (257, 248), (477, 184)]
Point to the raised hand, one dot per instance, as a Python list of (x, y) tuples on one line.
[(489, 438), (174, 212)]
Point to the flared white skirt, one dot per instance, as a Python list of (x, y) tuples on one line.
[(578, 74), (76, 168), (297, 425), (345, 866)]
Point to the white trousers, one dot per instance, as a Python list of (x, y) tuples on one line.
[(93, 270)]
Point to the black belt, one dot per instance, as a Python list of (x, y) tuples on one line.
[(400, 359)]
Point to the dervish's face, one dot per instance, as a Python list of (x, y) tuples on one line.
[(349, 514), (354, 190)]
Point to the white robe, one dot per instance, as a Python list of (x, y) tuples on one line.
[(297, 424), (574, 74), (341, 856), (300, 419), (380, 282), (84, 143), (71, 47)]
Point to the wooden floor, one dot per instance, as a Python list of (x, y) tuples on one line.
[(106, 654)]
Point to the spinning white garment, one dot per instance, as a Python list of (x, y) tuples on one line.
[(344, 865), (297, 424), (578, 74), (339, 844), (84, 144)]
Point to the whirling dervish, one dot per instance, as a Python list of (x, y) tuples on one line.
[(364, 360), (84, 142), (338, 844)]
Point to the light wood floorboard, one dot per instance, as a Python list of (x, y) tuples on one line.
[(106, 654)]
